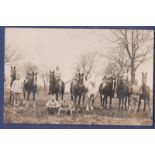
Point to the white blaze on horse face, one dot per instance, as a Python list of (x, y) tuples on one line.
[(144, 78), (113, 83), (35, 79)]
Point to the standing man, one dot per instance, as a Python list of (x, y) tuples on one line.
[(58, 74), (16, 89)]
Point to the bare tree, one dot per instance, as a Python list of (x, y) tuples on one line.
[(112, 68), (118, 58), (86, 64), (135, 46), (29, 67), (44, 73), (11, 54)]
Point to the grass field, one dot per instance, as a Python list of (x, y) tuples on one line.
[(99, 116)]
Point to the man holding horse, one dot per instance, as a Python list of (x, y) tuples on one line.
[(16, 89), (58, 74)]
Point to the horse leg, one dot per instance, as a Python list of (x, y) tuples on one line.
[(129, 103), (106, 100), (10, 100), (125, 102), (79, 100), (139, 104), (62, 95), (15, 99), (144, 104), (88, 104), (119, 103), (83, 100), (57, 94), (110, 102), (34, 104), (25, 96), (27, 99), (49, 90), (101, 100), (92, 102), (148, 102), (71, 97), (75, 97)]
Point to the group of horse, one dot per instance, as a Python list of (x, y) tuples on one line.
[(115, 87), (29, 86), (128, 94)]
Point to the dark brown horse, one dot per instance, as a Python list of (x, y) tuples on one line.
[(78, 89), (107, 91), (56, 87), (30, 86), (122, 90)]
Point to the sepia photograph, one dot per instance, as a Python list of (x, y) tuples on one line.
[(84, 76)]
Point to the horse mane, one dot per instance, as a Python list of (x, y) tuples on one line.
[(52, 77)]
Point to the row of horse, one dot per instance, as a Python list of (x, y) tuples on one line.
[(115, 87), (126, 93)]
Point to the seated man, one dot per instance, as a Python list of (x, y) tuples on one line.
[(52, 103)]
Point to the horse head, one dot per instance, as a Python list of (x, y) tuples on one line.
[(13, 72), (52, 76), (80, 80)]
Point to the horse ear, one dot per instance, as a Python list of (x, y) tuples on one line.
[(36, 73), (14, 67)]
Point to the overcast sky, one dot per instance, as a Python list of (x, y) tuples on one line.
[(51, 47)]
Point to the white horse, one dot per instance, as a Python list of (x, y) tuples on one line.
[(91, 94)]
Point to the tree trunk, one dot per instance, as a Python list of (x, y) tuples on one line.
[(132, 76), (44, 82), (132, 72)]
